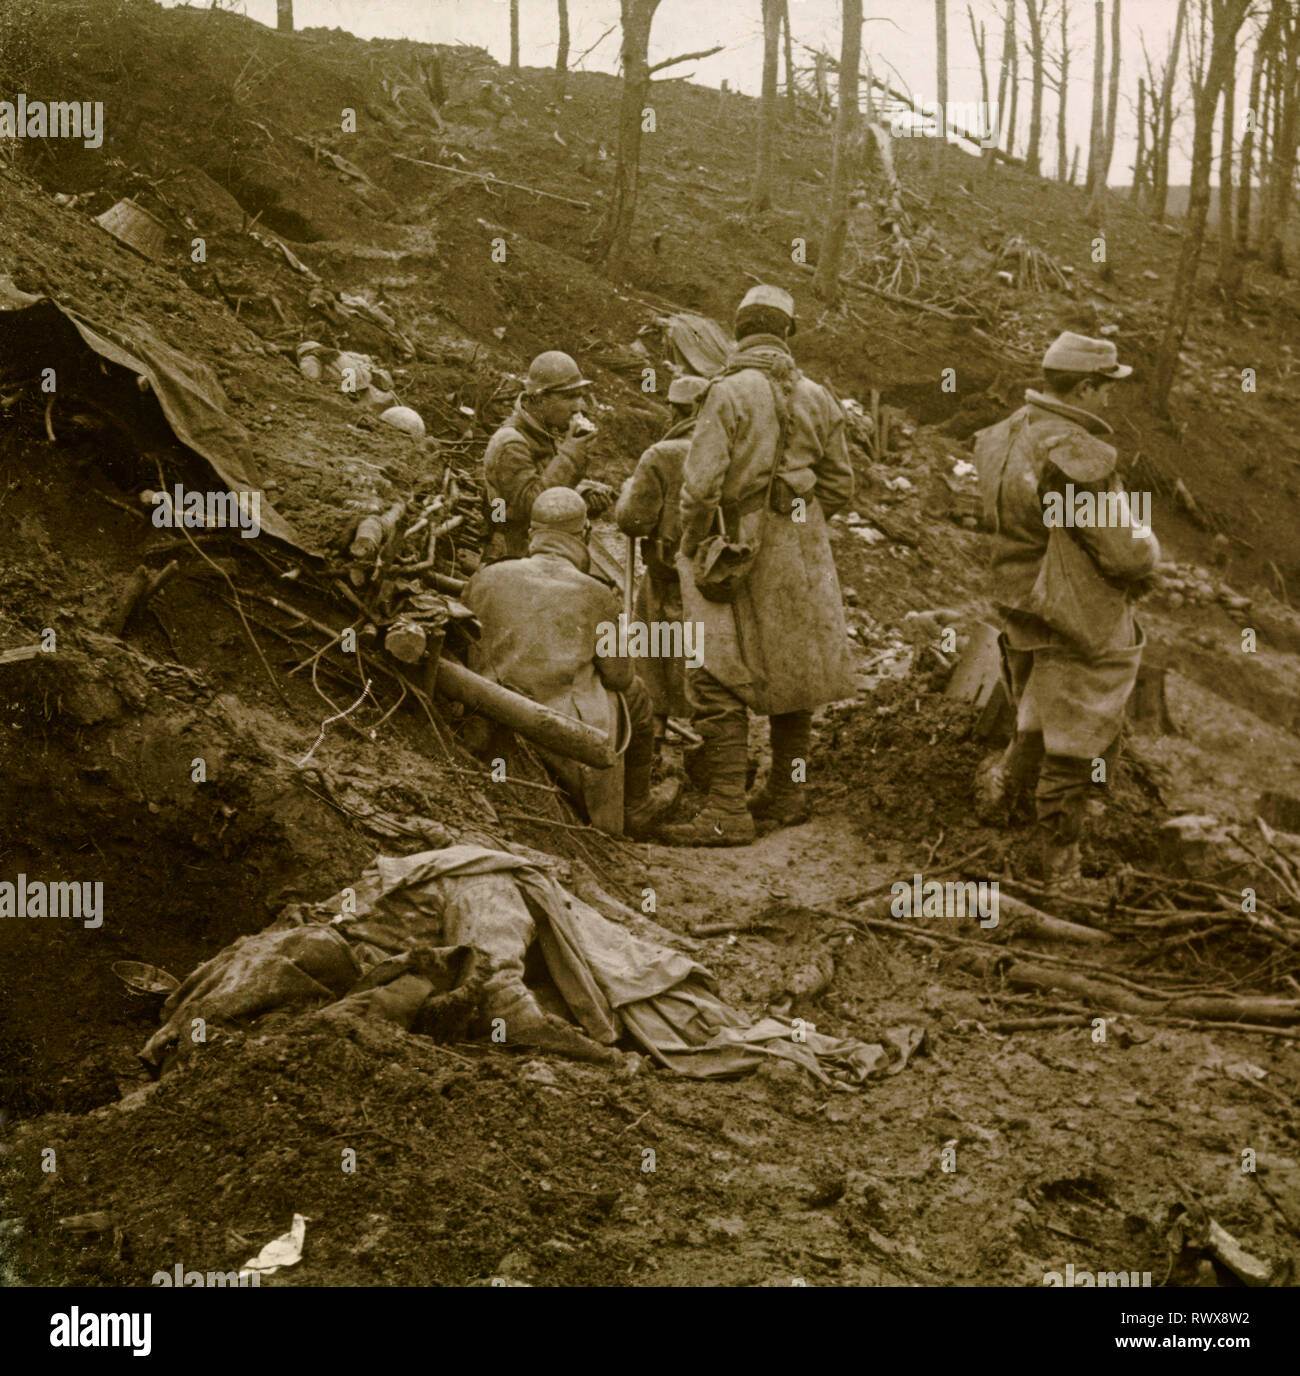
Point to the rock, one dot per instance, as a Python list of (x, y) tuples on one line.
[(1174, 601), (850, 596), (514, 1264)]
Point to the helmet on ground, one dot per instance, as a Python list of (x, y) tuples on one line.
[(405, 419)]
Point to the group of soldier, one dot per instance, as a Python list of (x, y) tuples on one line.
[(756, 461)]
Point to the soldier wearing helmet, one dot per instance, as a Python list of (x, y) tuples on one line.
[(648, 506), (1071, 644), (545, 443), (545, 622)]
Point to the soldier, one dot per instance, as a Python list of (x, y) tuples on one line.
[(1070, 554), (545, 443), (543, 619), (769, 459), (649, 507)]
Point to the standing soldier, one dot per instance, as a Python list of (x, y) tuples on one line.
[(768, 461), (1070, 642), (650, 506), (545, 443)]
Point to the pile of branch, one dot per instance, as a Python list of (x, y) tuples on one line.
[(1030, 266)]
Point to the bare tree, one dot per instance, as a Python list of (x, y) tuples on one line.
[(1036, 11), (284, 15), (562, 52), (1160, 159), (760, 196), (1263, 44), (1014, 47), (826, 282), (1097, 129), (1226, 17), (1139, 157), (1112, 96), (1227, 256), (941, 74), (616, 232), (1062, 169), (514, 35), (1285, 137), (791, 98), (980, 39), (1004, 71)]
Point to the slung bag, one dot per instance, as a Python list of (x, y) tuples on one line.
[(720, 565)]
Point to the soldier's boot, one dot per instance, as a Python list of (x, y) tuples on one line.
[(781, 800), (643, 805), (724, 819), (512, 1006), (1060, 863)]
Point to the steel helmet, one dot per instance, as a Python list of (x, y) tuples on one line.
[(559, 508), (554, 371)]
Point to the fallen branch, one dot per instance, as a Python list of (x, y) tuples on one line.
[(496, 181), (685, 57)]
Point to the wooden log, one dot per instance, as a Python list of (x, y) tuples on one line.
[(19, 652), (1020, 919), (546, 727)]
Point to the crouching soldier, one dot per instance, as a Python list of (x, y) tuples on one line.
[(649, 507), (545, 621), (1071, 551), (544, 443), (768, 460)]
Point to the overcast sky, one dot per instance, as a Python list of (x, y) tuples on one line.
[(899, 33)]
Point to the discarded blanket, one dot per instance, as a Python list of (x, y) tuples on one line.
[(405, 909)]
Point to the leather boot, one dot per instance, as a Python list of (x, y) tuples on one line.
[(695, 765), (723, 820), (1001, 780), (1060, 863), (642, 805), (781, 800)]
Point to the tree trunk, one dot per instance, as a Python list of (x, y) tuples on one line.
[(791, 99), (1139, 158), (1227, 19), (1160, 181), (760, 197), (826, 282), (1097, 129), (1112, 96), (1015, 79), (980, 39), (1062, 163), (1227, 258), (562, 52), (1035, 10), (284, 15), (1248, 139), (1286, 138), (1074, 166), (1004, 77), (941, 79), (616, 232), (514, 35)]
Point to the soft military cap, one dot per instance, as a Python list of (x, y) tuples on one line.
[(559, 508), (763, 295), (685, 390), (1077, 353)]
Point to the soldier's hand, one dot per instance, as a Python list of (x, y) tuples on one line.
[(581, 430), (598, 496)]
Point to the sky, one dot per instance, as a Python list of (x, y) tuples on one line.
[(898, 34)]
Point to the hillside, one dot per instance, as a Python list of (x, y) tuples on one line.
[(480, 1161)]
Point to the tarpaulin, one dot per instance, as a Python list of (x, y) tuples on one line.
[(37, 332), (698, 343)]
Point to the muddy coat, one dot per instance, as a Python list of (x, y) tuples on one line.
[(541, 618), (522, 460), (782, 645), (650, 506), (1064, 595)]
